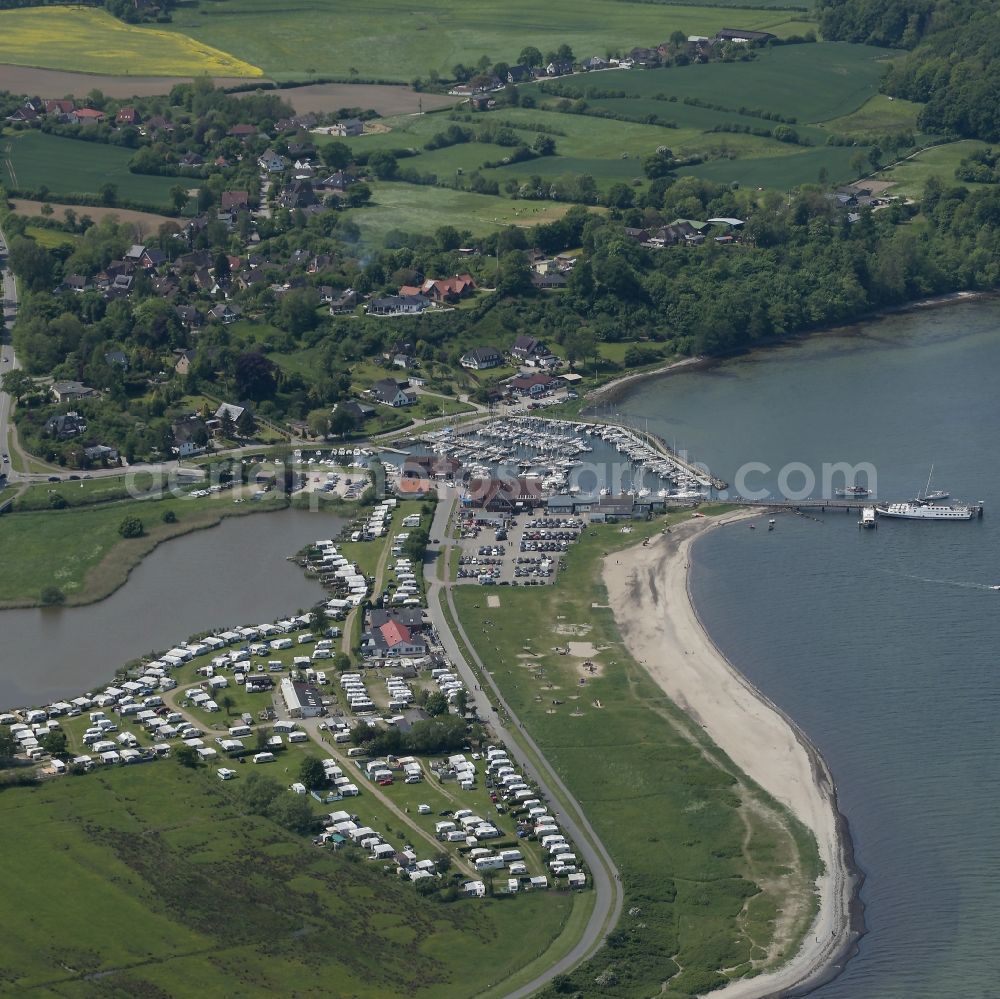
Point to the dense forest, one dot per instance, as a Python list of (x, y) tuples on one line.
[(954, 63)]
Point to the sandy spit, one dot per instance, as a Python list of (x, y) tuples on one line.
[(648, 592)]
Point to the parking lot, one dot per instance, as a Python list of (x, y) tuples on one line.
[(525, 550)]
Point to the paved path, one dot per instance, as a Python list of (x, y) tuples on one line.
[(606, 880), (8, 362)]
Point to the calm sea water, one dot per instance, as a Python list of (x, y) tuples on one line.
[(883, 645)]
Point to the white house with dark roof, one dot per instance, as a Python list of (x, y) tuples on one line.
[(481, 358)]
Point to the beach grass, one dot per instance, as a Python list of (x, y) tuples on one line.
[(704, 855), (136, 875), (85, 40)]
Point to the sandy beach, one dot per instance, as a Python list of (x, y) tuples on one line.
[(648, 592)]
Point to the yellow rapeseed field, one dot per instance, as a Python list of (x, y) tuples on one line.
[(85, 40)]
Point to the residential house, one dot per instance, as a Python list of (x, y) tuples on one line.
[(243, 132), (152, 258), (69, 391), (559, 68), (234, 201), (335, 182), (65, 425), (185, 358), (191, 160), (230, 410), (596, 62), (398, 305), (518, 74), (100, 452), (190, 436), (298, 194), (533, 385), (402, 354), (59, 109), (443, 290), (86, 116), (345, 302), (359, 410), (272, 162), (225, 313), (548, 279), (188, 316), (26, 113), (389, 392), (159, 124), (481, 358), (116, 358), (348, 128), (127, 116), (528, 348), (75, 282)]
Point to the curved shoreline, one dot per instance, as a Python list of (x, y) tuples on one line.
[(612, 390), (651, 600)]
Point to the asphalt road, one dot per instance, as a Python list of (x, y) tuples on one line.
[(7, 359), (606, 880)]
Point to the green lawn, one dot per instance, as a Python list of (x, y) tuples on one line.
[(693, 841), (149, 880), (909, 176), (389, 40), (51, 238), (69, 166), (811, 83), (408, 208), (878, 115)]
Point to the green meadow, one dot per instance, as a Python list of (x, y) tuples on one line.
[(811, 83), (70, 166), (389, 40), (150, 880)]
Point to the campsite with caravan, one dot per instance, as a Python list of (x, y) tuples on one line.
[(369, 378)]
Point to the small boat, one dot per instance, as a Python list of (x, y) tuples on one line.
[(934, 497), (868, 519), (853, 492), (931, 497), (770, 524)]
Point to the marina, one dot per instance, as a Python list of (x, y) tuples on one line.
[(571, 457)]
